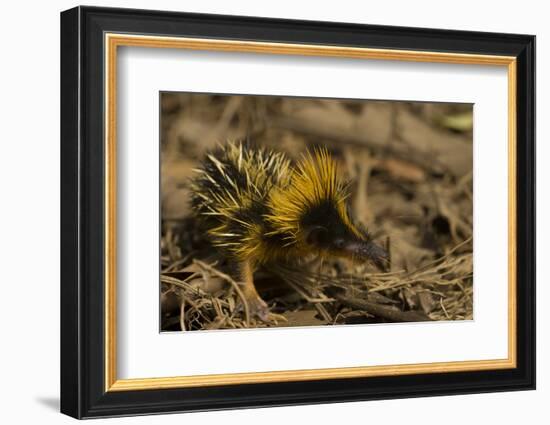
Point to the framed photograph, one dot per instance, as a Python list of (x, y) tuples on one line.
[(261, 212)]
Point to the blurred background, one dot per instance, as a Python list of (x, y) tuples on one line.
[(410, 168)]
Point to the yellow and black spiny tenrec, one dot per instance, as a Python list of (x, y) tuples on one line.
[(258, 207)]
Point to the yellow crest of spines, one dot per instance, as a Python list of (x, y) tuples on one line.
[(314, 180)]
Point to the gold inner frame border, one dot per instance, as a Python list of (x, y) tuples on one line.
[(113, 41)]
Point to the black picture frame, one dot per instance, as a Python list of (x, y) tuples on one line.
[(83, 392)]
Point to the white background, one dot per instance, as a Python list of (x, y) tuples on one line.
[(29, 224), (140, 346)]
